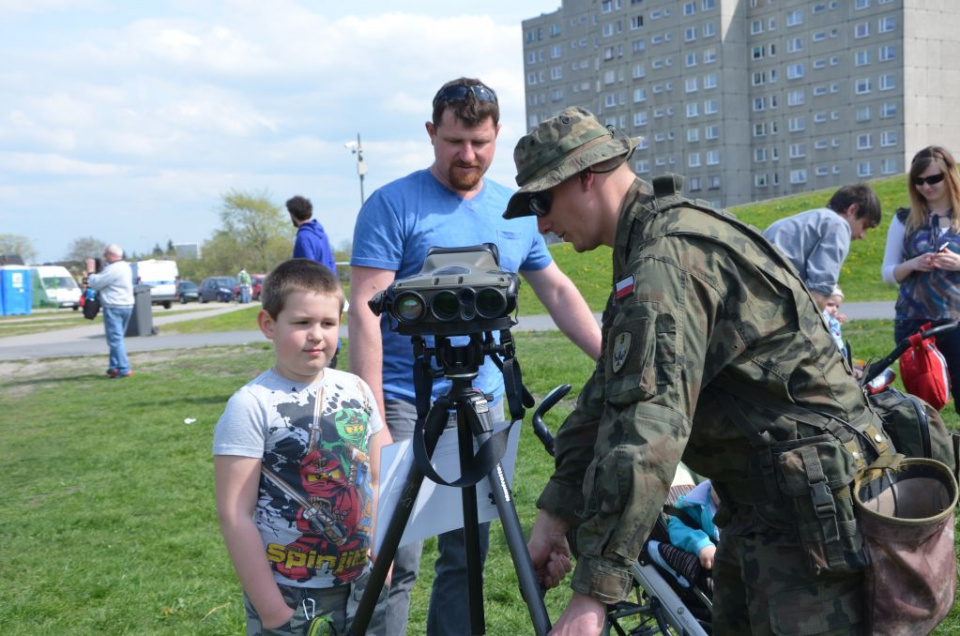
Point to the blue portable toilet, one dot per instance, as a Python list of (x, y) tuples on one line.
[(15, 290)]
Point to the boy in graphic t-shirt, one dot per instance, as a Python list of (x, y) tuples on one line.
[(296, 460)]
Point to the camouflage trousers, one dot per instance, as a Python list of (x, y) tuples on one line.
[(320, 611), (762, 585)]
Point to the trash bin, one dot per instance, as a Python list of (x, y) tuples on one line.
[(141, 322), (15, 288)]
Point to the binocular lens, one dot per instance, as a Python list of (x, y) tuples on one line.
[(491, 303), (410, 307), (445, 306)]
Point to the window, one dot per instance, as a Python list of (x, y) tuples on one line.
[(795, 71), (888, 138), (888, 166), (822, 171), (864, 169), (862, 85), (690, 84), (695, 184), (713, 157), (862, 4), (862, 58), (639, 95), (693, 160), (795, 18), (798, 150), (610, 100), (639, 71), (888, 82), (864, 141), (758, 104), (759, 155), (693, 109), (709, 55), (861, 30), (642, 166), (759, 130), (757, 52), (689, 60), (886, 24), (556, 51), (693, 135), (759, 77), (798, 176), (714, 184), (690, 34), (863, 114), (712, 132), (556, 73), (819, 36), (709, 81), (707, 5), (606, 6), (689, 8), (532, 79), (818, 64), (608, 30), (820, 144), (888, 109), (819, 90), (887, 53), (760, 180), (794, 45), (636, 22), (819, 118), (709, 29), (556, 95), (711, 106), (640, 118), (773, 101), (795, 98), (756, 27), (639, 45), (796, 124)]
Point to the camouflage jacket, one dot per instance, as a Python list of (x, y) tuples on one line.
[(695, 295)]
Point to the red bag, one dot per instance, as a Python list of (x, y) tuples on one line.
[(924, 371)]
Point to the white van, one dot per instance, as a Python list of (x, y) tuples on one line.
[(161, 277), (53, 286)]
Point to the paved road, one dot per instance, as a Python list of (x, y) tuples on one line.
[(89, 340)]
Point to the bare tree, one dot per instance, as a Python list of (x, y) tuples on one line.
[(84, 248), (11, 244)]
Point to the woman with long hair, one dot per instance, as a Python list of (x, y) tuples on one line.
[(923, 253)]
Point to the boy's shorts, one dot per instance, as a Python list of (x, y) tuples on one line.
[(326, 611)]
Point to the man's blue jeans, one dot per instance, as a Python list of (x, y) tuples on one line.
[(115, 321)]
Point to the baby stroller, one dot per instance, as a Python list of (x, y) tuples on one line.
[(669, 596)]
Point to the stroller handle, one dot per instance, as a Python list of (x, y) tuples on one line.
[(539, 427), (877, 367)]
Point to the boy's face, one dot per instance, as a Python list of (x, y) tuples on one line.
[(832, 305), (304, 335)]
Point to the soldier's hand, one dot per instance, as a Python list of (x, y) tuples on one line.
[(549, 549)]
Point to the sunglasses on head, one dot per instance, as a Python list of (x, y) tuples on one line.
[(458, 92), (540, 203), (931, 180)]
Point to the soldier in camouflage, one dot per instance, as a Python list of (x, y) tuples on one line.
[(699, 301)]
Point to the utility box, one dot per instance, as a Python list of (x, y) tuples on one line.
[(141, 321), (15, 285)]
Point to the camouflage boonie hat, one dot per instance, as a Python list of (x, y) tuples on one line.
[(558, 149)]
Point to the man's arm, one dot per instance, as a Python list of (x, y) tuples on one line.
[(366, 342), (567, 307)]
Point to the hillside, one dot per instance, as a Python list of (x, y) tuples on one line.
[(860, 278)]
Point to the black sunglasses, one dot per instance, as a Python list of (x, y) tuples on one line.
[(458, 92), (931, 180), (540, 203)]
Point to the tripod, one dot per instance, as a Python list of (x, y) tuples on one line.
[(460, 365)]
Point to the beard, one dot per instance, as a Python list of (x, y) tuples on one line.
[(464, 181)]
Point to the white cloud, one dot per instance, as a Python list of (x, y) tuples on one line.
[(138, 116)]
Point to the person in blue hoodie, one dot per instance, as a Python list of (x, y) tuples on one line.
[(312, 241), (692, 530)]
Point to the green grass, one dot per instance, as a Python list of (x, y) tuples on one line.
[(239, 320), (109, 523)]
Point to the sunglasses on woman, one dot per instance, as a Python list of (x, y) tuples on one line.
[(931, 180)]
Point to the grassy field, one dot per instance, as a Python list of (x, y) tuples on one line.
[(109, 524)]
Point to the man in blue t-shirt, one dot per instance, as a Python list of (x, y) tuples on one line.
[(311, 241), (449, 204)]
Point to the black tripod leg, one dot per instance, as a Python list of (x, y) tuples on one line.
[(435, 422), (471, 527), (503, 498)]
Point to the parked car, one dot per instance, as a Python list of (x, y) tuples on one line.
[(256, 284), (188, 292), (217, 288)]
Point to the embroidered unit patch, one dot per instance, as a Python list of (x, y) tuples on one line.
[(621, 348)]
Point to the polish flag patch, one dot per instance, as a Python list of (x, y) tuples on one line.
[(623, 288)]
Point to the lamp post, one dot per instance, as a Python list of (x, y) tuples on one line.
[(357, 149)]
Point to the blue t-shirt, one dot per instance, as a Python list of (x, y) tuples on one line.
[(402, 220), (312, 243)]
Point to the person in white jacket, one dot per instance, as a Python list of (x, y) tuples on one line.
[(115, 288)]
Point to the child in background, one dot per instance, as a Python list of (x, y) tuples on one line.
[(296, 461), (831, 313), (692, 531)]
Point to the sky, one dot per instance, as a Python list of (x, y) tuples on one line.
[(127, 121)]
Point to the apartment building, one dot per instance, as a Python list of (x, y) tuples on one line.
[(753, 99)]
